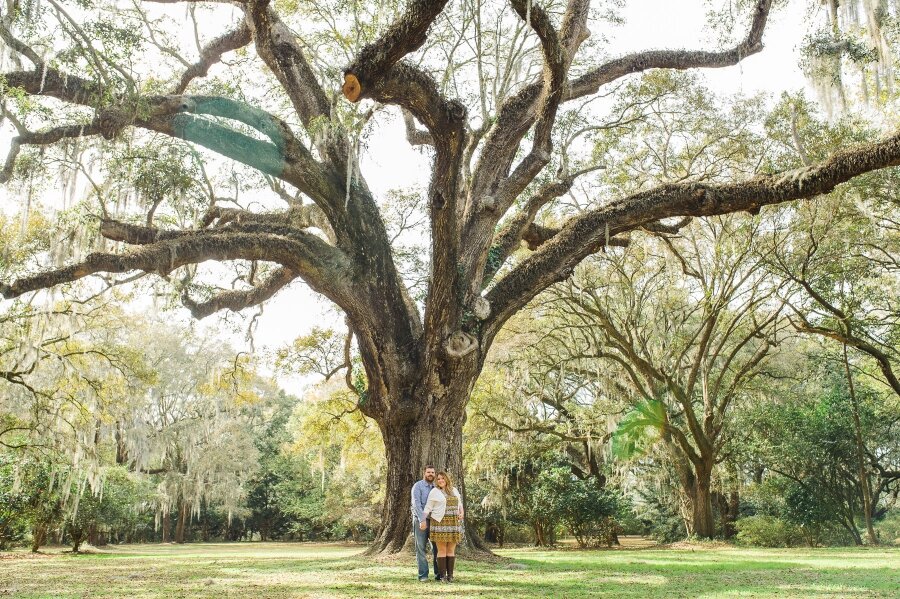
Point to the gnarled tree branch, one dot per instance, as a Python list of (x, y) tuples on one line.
[(517, 114), (323, 267), (212, 53), (586, 233), (278, 47), (376, 60), (237, 300)]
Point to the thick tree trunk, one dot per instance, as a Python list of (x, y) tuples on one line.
[(434, 438)]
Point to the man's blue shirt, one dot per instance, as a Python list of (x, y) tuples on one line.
[(419, 498)]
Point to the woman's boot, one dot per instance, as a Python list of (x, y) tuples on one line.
[(451, 562), (442, 568)]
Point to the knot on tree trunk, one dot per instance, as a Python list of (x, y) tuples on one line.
[(111, 124), (352, 88), (461, 344), (488, 203), (481, 308)]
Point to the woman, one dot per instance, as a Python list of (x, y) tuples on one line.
[(444, 507)]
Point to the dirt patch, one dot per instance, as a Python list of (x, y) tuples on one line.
[(24, 555), (407, 556), (698, 545)]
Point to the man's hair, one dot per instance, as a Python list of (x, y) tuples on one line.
[(427, 466)]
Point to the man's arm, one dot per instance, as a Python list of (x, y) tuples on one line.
[(416, 504)]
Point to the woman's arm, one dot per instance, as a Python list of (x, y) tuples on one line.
[(433, 499), (460, 510)]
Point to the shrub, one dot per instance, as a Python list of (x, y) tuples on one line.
[(888, 529), (658, 513), (13, 524), (812, 514), (766, 531), (589, 512)]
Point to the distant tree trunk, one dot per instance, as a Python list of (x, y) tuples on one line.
[(121, 450), (728, 506), (758, 472), (864, 482), (166, 524), (204, 524), (78, 535), (38, 536), (94, 536), (540, 537), (183, 515), (704, 523), (494, 533)]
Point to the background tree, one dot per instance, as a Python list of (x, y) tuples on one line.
[(688, 324), (809, 439)]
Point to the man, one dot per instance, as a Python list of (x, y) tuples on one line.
[(420, 492)]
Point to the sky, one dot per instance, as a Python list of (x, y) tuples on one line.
[(389, 162)]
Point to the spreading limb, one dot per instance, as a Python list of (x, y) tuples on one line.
[(586, 233)]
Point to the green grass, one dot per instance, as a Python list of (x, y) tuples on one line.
[(281, 570)]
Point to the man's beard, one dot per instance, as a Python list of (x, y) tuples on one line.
[(429, 477)]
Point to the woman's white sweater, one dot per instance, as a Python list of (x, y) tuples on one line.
[(436, 506)]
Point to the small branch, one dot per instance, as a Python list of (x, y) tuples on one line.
[(590, 82), (883, 360), (795, 135), (44, 138), (659, 227), (507, 239), (20, 46), (239, 300), (414, 135), (213, 53)]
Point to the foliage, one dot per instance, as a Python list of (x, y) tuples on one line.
[(591, 513), (13, 524), (809, 445), (889, 528), (657, 509), (766, 531)]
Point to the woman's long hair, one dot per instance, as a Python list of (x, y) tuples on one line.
[(448, 488)]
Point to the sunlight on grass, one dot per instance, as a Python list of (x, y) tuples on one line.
[(330, 571)]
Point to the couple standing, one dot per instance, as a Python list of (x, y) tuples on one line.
[(437, 515)]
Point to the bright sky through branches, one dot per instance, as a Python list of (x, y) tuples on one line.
[(389, 162)]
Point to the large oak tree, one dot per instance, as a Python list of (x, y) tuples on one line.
[(488, 184)]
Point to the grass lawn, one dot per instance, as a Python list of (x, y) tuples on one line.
[(333, 571)]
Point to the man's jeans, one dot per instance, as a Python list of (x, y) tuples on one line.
[(422, 544)]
